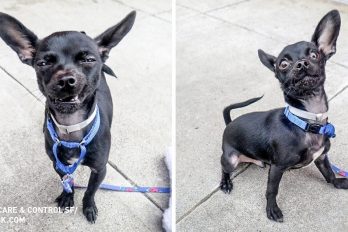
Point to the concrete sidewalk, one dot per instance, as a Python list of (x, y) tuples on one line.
[(142, 115), (217, 64)]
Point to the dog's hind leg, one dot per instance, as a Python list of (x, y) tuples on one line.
[(246, 159), (229, 161)]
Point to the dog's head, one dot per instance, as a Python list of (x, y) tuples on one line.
[(68, 64), (300, 67)]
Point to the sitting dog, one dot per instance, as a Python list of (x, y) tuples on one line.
[(294, 136), (70, 70)]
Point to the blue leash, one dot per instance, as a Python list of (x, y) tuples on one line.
[(68, 170), (130, 189), (339, 171)]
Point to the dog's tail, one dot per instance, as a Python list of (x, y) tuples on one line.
[(226, 112)]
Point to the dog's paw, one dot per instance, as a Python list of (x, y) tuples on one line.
[(226, 185), (65, 200), (341, 183), (274, 213), (263, 165), (90, 211)]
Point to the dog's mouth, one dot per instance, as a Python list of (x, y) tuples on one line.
[(70, 100), (302, 85), (308, 82), (67, 104)]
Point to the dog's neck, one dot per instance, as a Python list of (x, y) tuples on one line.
[(314, 103), (74, 118)]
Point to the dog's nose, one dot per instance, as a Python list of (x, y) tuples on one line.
[(302, 64), (67, 81)]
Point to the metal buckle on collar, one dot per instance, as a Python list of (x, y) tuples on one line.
[(319, 117), (64, 130), (313, 127)]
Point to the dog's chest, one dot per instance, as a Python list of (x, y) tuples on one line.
[(70, 155), (315, 147), (74, 118)]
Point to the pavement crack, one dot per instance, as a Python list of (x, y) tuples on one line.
[(244, 28), (18, 82), (132, 182), (226, 6), (338, 92), (209, 195), (231, 23), (145, 12), (157, 17), (339, 64)]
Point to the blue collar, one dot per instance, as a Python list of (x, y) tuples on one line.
[(327, 129), (67, 170)]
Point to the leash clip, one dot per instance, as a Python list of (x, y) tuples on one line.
[(57, 141), (329, 130), (83, 142), (67, 183)]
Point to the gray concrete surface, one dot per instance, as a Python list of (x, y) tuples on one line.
[(142, 115), (217, 64)]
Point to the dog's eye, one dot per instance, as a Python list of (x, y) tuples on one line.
[(85, 57), (314, 55), (47, 60), (90, 59), (41, 63), (284, 64)]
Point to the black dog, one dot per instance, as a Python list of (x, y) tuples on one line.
[(289, 137), (69, 66)]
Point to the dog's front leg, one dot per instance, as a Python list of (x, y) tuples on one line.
[(89, 207), (65, 200), (324, 166), (274, 176)]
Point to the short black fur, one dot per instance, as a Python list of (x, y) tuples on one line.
[(70, 73), (269, 137)]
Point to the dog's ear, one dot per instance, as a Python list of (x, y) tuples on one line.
[(326, 33), (267, 60), (112, 36), (18, 37)]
